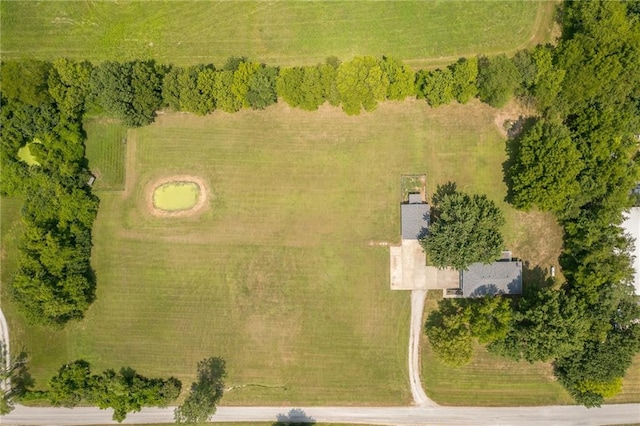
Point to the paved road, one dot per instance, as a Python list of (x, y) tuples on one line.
[(553, 415)]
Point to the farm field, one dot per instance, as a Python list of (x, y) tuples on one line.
[(278, 33), (280, 274)]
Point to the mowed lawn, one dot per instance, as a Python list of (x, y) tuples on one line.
[(279, 33), (105, 150), (278, 274)]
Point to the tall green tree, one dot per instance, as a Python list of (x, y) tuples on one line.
[(401, 78), (497, 80), (361, 83), (205, 393), (465, 229), (545, 168), (546, 325), (465, 75)]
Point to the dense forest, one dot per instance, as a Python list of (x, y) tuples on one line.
[(577, 158)]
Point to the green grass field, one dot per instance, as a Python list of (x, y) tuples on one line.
[(105, 151), (277, 275), (279, 33)]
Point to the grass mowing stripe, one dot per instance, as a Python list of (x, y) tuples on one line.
[(277, 275), (280, 33)]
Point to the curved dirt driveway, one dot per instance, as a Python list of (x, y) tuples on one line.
[(4, 337), (420, 398)]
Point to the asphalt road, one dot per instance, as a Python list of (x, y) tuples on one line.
[(552, 415)]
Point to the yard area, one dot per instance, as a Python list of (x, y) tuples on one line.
[(277, 274), (278, 33), (491, 380), (105, 150)]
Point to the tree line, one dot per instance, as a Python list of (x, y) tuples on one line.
[(577, 158), (43, 102), (124, 391)]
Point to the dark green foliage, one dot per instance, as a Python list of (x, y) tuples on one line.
[(54, 282), (301, 87), (401, 78), (438, 87), (545, 166), (26, 81), (595, 371), (128, 392), (465, 75), (452, 328), (130, 91), (226, 99), (497, 80), (546, 325), (124, 392), (254, 84), (205, 393), (262, 88), (71, 385), (465, 229), (449, 334), (587, 165), (361, 84), (69, 85)]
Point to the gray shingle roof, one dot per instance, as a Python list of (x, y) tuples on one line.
[(415, 220), (495, 278)]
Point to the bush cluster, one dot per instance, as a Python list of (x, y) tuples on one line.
[(124, 392)]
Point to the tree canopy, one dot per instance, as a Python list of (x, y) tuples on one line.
[(546, 165), (205, 393), (465, 229)]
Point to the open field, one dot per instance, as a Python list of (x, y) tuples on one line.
[(276, 274), (105, 151), (490, 380), (279, 33)]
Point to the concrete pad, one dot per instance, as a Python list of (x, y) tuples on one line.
[(442, 279), (395, 267), (408, 270)]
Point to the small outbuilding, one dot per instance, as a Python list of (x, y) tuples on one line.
[(415, 218)]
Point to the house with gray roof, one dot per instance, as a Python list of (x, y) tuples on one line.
[(501, 277), (415, 218), (408, 268)]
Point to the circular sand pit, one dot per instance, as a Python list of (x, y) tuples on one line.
[(176, 196)]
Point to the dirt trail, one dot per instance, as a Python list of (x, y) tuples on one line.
[(420, 398), (4, 337)]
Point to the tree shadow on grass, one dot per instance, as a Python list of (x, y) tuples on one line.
[(295, 417), (515, 133), (535, 278)]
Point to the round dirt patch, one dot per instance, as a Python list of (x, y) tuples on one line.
[(176, 196)]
